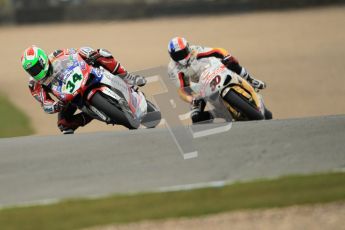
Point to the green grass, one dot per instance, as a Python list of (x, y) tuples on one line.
[(13, 122), (76, 214)]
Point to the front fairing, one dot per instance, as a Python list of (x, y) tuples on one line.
[(70, 73), (212, 74), (136, 100)]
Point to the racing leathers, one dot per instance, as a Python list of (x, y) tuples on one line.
[(68, 122), (185, 75)]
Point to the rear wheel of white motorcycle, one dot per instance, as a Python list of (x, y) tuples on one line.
[(243, 106), (111, 110)]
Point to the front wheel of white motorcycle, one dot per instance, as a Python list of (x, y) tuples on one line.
[(112, 110)]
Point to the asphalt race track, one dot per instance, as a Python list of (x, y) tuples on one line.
[(49, 168)]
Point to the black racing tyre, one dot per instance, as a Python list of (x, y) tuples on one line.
[(101, 103), (243, 106), (153, 116), (268, 114)]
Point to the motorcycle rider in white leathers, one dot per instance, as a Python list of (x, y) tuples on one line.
[(183, 71)]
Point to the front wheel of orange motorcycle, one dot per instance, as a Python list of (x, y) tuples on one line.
[(243, 106)]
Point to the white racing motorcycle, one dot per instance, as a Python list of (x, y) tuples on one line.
[(100, 94), (240, 98)]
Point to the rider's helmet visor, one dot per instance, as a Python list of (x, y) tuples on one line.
[(35, 69), (180, 55)]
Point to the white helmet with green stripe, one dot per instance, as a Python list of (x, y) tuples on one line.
[(35, 62)]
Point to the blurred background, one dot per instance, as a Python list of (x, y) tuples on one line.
[(42, 11), (296, 46)]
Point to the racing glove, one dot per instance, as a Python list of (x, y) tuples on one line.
[(52, 106), (92, 59), (93, 56)]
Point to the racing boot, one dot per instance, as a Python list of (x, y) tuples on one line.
[(232, 64), (134, 80), (197, 112), (257, 84)]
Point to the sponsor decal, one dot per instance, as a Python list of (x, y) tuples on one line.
[(98, 113), (82, 65)]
